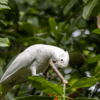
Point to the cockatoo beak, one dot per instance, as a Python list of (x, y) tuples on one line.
[(59, 63)]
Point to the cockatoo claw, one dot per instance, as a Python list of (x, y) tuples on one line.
[(40, 74)]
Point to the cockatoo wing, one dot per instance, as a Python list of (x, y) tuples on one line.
[(22, 61)]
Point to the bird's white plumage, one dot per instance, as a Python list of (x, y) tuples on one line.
[(31, 61)]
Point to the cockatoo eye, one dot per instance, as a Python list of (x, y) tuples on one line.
[(61, 59)]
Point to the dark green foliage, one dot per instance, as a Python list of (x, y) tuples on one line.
[(37, 81), (89, 8), (85, 99), (68, 24), (94, 59), (0, 90), (35, 98), (52, 88), (84, 82), (42, 84)]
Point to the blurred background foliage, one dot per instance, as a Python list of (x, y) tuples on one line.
[(67, 24)]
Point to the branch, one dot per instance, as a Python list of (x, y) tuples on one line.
[(57, 72), (51, 65), (64, 81)]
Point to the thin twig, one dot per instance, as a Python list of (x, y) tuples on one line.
[(64, 88), (64, 81), (57, 72)]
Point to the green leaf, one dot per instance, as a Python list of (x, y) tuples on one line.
[(4, 42), (85, 1), (9, 96), (85, 99), (42, 84), (69, 6), (94, 59), (97, 69), (55, 89), (4, 7), (34, 98), (37, 81), (0, 91), (49, 40), (97, 75), (28, 28), (81, 24), (96, 31), (80, 95), (71, 27), (59, 27), (96, 10), (4, 1), (52, 23), (84, 82), (34, 21), (1, 21), (88, 8)]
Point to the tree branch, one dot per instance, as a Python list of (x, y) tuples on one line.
[(57, 72), (51, 65)]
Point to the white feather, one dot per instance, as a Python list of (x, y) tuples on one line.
[(31, 61)]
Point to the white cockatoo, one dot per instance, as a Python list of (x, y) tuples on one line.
[(30, 62)]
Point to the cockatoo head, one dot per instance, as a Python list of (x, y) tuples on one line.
[(61, 59)]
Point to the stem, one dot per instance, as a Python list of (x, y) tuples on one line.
[(64, 87), (60, 76)]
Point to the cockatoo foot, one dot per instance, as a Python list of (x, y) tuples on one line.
[(40, 74)]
